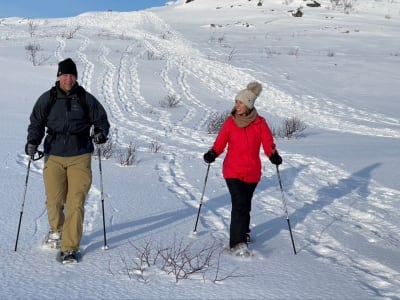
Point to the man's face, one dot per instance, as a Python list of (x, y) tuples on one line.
[(67, 81)]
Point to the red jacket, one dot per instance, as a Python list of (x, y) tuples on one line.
[(242, 160)]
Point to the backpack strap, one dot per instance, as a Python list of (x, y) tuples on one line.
[(81, 92), (52, 101)]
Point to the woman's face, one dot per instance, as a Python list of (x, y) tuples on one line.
[(240, 107)]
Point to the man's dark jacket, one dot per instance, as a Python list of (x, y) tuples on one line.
[(68, 122)]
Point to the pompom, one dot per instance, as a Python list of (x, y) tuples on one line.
[(255, 88)]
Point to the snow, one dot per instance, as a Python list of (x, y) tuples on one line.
[(336, 70)]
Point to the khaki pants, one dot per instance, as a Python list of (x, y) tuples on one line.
[(67, 182)]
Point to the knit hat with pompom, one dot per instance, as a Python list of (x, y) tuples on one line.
[(250, 94)]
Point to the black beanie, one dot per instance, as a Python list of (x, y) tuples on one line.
[(67, 66)]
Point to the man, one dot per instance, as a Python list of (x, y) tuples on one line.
[(68, 112)]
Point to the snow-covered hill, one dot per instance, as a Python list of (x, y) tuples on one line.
[(334, 68)]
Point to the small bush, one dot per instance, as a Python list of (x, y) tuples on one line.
[(290, 128), (70, 34), (32, 50), (32, 27), (154, 146), (215, 121), (128, 157), (106, 149), (179, 260), (346, 5), (170, 101)]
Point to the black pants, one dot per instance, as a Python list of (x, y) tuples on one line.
[(241, 195)]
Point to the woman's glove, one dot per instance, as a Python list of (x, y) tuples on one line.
[(275, 158), (210, 156)]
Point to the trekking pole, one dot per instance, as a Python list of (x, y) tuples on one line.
[(32, 158), (201, 199), (105, 247), (285, 207), (23, 202)]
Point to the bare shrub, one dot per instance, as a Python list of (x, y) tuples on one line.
[(291, 128), (70, 34), (170, 101), (154, 146), (231, 54), (179, 260), (106, 149), (215, 121), (32, 27), (127, 157), (32, 51), (345, 5)]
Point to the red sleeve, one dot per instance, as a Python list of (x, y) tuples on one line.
[(267, 139), (222, 137)]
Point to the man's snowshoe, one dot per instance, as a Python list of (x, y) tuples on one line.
[(68, 257), (52, 240)]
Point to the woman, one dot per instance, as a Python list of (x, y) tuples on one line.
[(244, 131)]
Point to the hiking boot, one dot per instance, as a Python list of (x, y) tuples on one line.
[(240, 249), (53, 240), (69, 256)]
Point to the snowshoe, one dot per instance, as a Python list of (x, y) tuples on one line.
[(52, 240), (241, 249), (68, 257)]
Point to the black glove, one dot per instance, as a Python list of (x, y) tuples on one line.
[(210, 156), (99, 138), (30, 149), (275, 158)]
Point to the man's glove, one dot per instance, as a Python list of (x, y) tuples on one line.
[(210, 156), (275, 158), (99, 138), (30, 149)]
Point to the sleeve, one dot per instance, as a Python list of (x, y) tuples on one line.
[(222, 138), (98, 115), (36, 127), (267, 139)]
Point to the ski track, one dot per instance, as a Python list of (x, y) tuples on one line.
[(323, 112), (362, 202), (360, 205)]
